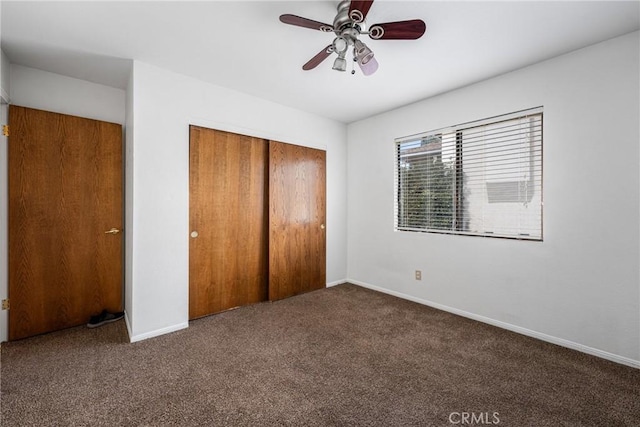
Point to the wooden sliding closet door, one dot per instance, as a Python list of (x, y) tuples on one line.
[(228, 218), (297, 254), (65, 216)]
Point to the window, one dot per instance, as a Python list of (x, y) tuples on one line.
[(481, 178)]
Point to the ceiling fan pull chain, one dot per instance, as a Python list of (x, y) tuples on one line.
[(353, 71)]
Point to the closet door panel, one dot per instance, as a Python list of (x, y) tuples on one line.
[(297, 245), (228, 257)]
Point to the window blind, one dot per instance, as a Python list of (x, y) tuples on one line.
[(479, 178)]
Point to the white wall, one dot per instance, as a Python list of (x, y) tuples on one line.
[(581, 286), (60, 94), (164, 105), (4, 76)]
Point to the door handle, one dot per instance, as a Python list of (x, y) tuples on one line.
[(322, 226), (112, 231)]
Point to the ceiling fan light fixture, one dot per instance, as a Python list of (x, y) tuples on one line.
[(340, 44), (340, 64), (363, 60), (370, 67), (362, 53)]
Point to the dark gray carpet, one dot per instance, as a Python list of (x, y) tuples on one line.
[(338, 356)]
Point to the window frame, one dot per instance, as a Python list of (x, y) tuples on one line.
[(458, 185)]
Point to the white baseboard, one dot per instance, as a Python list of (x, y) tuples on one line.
[(508, 326), (155, 333), (336, 283)]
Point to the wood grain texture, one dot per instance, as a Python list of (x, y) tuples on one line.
[(316, 60), (228, 260), (297, 246), (65, 191), (305, 22), (401, 30), (362, 5)]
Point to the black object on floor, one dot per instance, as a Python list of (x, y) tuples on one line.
[(104, 318)]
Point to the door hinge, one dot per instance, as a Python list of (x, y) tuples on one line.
[(5, 304), (5, 130)]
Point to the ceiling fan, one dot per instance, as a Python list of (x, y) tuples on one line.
[(348, 25)]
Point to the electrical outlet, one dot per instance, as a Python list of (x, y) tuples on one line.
[(418, 275)]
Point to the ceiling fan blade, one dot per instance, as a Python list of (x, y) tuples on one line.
[(358, 9), (316, 60), (401, 30), (306, 23)]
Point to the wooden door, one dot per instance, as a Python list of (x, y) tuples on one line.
[(65, 194), (297, 244), (228, 221)]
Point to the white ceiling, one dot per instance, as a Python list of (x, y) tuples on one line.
[(242, 45)]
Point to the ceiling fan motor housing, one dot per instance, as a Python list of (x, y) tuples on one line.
[(343, 24)]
